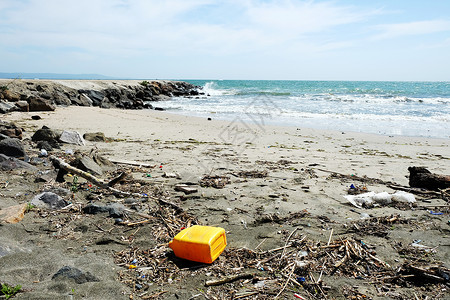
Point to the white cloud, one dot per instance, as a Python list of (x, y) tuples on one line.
[(389, 31), (118, 25)]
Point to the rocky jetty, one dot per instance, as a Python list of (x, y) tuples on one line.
[(44, 95)]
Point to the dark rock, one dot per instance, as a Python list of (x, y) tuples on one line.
[(49, 200), (159, 108), (84, 100), (36, 117), (12, 147), (72, 137), (94, 209), (77, 275), (95, 137), (115, 210), (10, 163), (2, 136), (95, 97), (40, 104), (46, 134), (44, 145)]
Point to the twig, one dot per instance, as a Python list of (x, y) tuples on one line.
[(287, 241), (286, 283), (329, 240), (228, 279)]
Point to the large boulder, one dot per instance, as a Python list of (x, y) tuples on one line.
[(46, 134), (6, 107), (12, 147), (40, 104)]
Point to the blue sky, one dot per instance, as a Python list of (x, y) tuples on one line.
[(234, 39)]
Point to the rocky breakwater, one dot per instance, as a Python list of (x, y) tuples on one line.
[(45, 95)]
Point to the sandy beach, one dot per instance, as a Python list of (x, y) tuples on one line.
[(275, 174)]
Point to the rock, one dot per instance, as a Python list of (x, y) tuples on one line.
[(13, 214), (185, 189), (94, 209), (59, 191), (84, 100), (12, 147), (72, 137), (10, 130), (161, 98), (36, 117), (77, 275), (6, 107), (2, 136), (23, 105), (95, 97), (95, 137), (49, 200), (40, 104), (11, 163), (115, 210), (46, 134), (44, 145), (11, 96), (88, 164)]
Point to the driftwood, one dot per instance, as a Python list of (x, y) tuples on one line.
[(420, 177), (100, 183), (228, 279), (91, 178)]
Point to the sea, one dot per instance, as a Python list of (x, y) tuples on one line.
[(419, 109)]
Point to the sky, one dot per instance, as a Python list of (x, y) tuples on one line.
[(405, 40)]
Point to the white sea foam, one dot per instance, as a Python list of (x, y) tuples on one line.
[(211, 88)]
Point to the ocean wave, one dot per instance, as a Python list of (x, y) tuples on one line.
[(211, 88), (365, 98)]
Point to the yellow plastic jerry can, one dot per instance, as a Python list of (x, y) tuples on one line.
[(199, 243)]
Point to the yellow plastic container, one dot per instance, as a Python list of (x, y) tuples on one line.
[(199, 243)]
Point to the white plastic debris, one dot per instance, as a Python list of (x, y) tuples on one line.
[(368, 200), (402, 196), (361, 200)]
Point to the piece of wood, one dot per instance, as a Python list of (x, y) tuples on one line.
[(131, 163), (185, 189), (420, 177), (119, 178), (228, 279)]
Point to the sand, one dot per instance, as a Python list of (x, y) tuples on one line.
[(299, 162)]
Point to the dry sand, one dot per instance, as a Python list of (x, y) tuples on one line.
[(299, 162)]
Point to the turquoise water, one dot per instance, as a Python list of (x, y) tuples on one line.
[(388, 108)]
